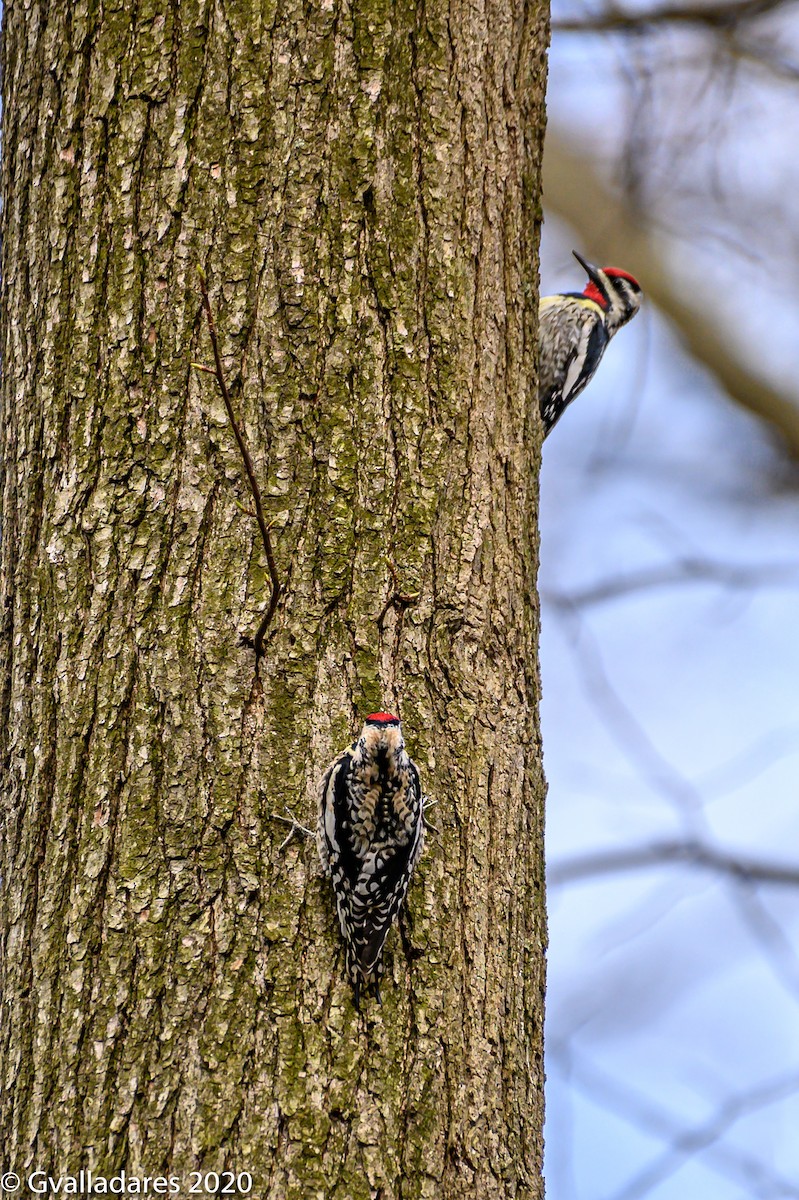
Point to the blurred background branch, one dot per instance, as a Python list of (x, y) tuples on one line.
[(667, 853), (718, 17), (676, 574)]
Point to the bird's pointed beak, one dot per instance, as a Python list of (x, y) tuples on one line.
[(591, 271)]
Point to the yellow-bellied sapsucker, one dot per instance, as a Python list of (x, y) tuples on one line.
[(370, 835), (573, 331)]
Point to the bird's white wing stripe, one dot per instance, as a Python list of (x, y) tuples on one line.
[(330, 811), (576, 365)]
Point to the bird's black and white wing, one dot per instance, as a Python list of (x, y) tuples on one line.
[(572, 337), (386, 872)]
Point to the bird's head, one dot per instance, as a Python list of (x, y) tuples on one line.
[(382, 729), (618, 292)]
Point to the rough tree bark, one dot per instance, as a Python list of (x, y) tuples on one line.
[(361, 183)]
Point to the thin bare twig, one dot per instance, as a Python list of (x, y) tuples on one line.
[(297, 829), (427, 804), (218, 371), (397, 599), (704, 1139), (682, 571), (687, 851)]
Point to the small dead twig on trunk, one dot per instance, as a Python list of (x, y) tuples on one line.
[(218, 372), (397, 599)]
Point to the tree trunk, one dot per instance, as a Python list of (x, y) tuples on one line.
[(361, 184)]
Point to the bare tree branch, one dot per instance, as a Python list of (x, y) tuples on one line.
[(627, 730), (686, 851), (693, 1141), (712, 16), (685, 570), (772, 940), (704, 1139)]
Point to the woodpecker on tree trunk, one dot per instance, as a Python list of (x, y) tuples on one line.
[(370, 835), (573, 330)]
